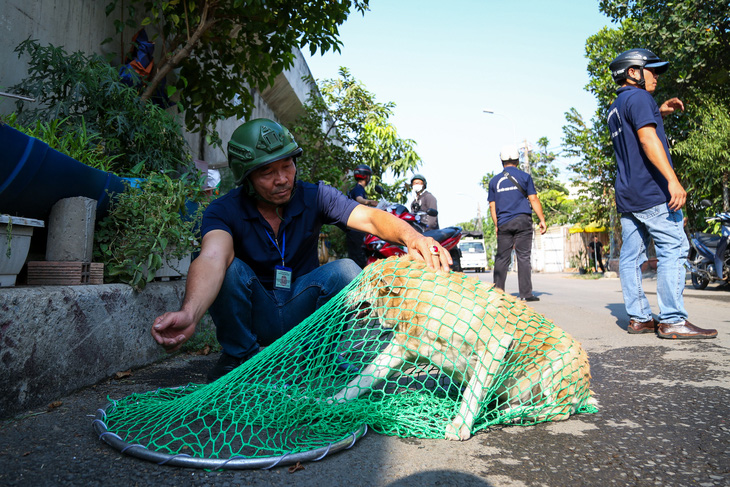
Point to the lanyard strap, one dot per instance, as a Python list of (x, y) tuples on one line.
[(283, 245)]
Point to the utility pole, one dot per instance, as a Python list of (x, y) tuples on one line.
[(527, 158), (480, 227)]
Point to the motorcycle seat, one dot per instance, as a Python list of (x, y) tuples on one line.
[(398, 210), (708, 240), (442, 233)]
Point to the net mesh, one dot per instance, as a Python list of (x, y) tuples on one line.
[(406, 350)]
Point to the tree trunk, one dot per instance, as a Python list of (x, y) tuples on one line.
[(726, 191), (171, 63), (201, 149)]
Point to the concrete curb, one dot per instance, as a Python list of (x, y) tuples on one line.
[(57, 339)]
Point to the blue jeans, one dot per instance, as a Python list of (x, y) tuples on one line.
[(247, 315), (665, 226)]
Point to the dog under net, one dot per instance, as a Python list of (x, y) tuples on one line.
[(403, 349)]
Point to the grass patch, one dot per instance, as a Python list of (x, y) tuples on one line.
[(203, 340)]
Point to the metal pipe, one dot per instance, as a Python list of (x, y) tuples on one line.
[(19, 97)]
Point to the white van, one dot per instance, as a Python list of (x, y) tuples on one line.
[(473, 254)]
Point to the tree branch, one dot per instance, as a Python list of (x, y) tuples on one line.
[(182, 53)]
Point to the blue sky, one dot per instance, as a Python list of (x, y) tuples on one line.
[(443, 63)]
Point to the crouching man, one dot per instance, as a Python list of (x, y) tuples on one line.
[(258, 273)]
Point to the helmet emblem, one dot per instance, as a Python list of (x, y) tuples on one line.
[(242, 153), (269, 140)]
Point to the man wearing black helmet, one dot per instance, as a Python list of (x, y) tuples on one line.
[(649, 197), (354, 238), (424, 201), (258, 273)]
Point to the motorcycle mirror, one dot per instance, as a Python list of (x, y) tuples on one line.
[(379, 189), (432, 212), (705, 204)]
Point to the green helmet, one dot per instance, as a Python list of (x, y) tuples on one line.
[(257, 143)]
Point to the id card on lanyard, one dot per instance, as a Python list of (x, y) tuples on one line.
[(282, 273)]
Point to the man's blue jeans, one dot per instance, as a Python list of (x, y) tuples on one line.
[(247, 315), (666, 227)]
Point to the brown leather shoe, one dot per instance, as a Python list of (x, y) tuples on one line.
[(683, 330), (641, 326)]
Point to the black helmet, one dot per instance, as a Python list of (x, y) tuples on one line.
[(421, 177), (363, 171), (635, 58)]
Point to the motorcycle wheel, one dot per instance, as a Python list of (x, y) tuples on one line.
[(699, 282)]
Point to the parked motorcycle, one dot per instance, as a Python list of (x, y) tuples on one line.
[(709, 255), (377, 248)]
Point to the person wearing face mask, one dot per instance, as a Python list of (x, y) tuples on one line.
[(423, 201), (258, 273)]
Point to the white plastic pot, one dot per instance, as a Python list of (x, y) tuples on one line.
[(15, 235)]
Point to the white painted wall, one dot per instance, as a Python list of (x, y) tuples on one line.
[(548, 250), (76, 25)]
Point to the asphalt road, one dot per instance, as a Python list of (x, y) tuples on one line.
[(663, 418)]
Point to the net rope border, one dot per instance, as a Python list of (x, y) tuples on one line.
[(234, 463)]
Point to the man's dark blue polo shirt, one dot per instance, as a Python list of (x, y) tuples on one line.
[(311, 206), (356, 191), (508, 199)]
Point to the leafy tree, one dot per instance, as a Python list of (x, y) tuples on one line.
[(222, 46), (594, 168), (86, 92), (346, 126), (694, 36), (558, 207), (706, 153), (543, 170)]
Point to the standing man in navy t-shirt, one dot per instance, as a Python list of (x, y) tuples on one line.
[(512, 197), (649, 197), (258, 273)]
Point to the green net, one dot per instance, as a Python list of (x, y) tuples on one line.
[(406, 350)]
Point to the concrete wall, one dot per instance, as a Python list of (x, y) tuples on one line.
[(77, 25), (56, 339)]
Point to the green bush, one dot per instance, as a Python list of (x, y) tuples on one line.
[(147, 225), (87, 94), (75, 141), (336, 239)]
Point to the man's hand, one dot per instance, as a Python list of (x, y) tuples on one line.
[(678, 196), (431, 252), (543, 227), (173, 329), (392, 229), (669, 106)]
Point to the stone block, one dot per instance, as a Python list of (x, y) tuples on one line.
[(71, 230), (57, 339)]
